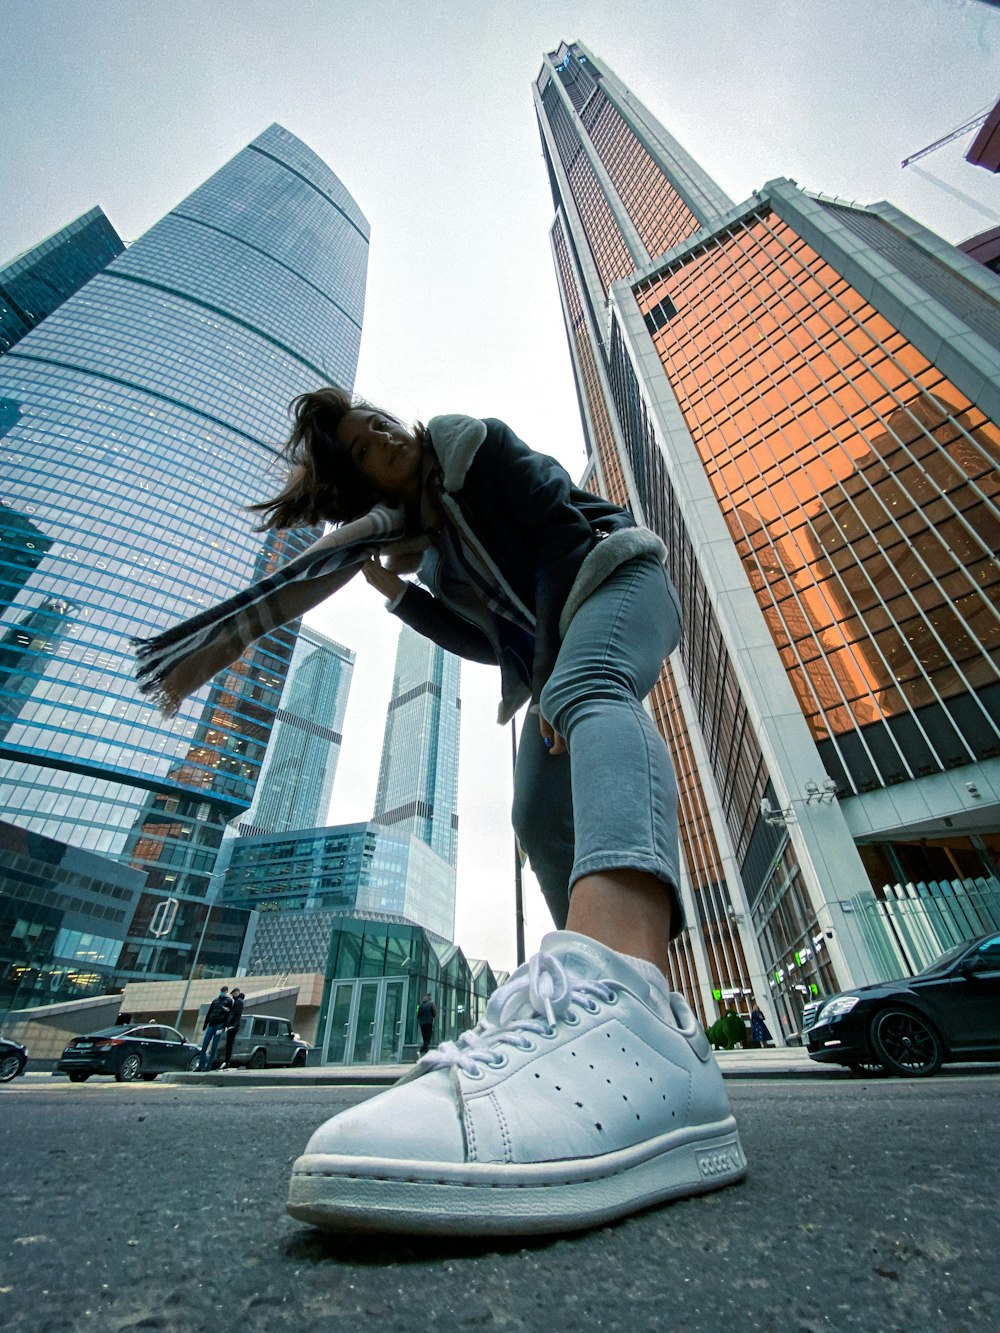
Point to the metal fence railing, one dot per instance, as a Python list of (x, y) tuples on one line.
[(911, 925)]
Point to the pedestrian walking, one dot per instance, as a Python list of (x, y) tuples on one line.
[(232, 1025), (214, 1025), (426, 1014), (588, 1089), (758, 1027)]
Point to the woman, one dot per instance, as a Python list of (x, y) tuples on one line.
[(759, 1032), (606, 1112)]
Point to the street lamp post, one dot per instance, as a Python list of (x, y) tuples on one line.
[(518, 885), (194, 964)]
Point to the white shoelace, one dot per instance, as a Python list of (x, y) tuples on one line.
[(550, 994)]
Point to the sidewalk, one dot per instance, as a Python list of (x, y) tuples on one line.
[(786, 1062)]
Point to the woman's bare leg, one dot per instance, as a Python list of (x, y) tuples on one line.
[(628, 910)]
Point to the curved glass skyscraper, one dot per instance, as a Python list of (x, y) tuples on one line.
[(145, 415)]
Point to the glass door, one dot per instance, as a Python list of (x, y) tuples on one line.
[(365, 1041), (365, 1023), (391, 1026), (339, 1033)]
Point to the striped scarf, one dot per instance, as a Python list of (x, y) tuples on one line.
[(174, 664)]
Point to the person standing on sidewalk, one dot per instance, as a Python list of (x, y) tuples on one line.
[(758, 1027), (232, 1025), (588, 1090), (214, 1025), (426, 1014)]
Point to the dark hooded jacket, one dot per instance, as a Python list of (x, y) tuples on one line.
[(544, 544)]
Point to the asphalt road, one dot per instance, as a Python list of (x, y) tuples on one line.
[(869, 1206)]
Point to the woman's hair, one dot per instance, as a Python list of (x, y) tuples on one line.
[(324, 482)]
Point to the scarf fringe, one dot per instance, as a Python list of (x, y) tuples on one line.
[(171, 665), (165, 703)]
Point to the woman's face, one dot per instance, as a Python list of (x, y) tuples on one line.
[(384, 451)]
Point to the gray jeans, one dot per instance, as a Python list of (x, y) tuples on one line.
[(610, 802)]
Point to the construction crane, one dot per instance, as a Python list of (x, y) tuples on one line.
[(969, 125)]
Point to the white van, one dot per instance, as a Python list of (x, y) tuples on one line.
[(262, 1041)]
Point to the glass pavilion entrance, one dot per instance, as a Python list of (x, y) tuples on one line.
[(379, 967)]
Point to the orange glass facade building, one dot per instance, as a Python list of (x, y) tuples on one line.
[(802, 398)]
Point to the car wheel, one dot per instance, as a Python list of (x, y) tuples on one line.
[(10, 1067), (148, 1078), (300, 1060), (257, 1061), (906, 1044), (194, 1064), (78, 1078), (129, 1069)]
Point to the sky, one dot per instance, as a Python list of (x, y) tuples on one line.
[(423, 108)]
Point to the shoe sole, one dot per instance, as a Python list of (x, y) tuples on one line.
[(459, 1199)]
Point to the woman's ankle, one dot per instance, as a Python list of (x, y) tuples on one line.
[(626, 910)]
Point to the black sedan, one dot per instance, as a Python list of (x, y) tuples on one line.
[(950, 1011), (13, 1058), (140, 1050)]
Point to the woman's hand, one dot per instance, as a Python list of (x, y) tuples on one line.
[(552, 741), (389, 585)]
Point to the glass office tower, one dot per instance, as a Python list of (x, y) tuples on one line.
[(417, 790), (148, 411), (801, 397), (36, 282), (296, 780), (343, 867)]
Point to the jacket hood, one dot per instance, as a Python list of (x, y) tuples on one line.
[(455, 439)]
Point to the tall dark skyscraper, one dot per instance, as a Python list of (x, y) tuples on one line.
[(802, 397), (38, 281), (149, 409)]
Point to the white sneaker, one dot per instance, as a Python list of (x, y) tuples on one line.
[(587, 1092)]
